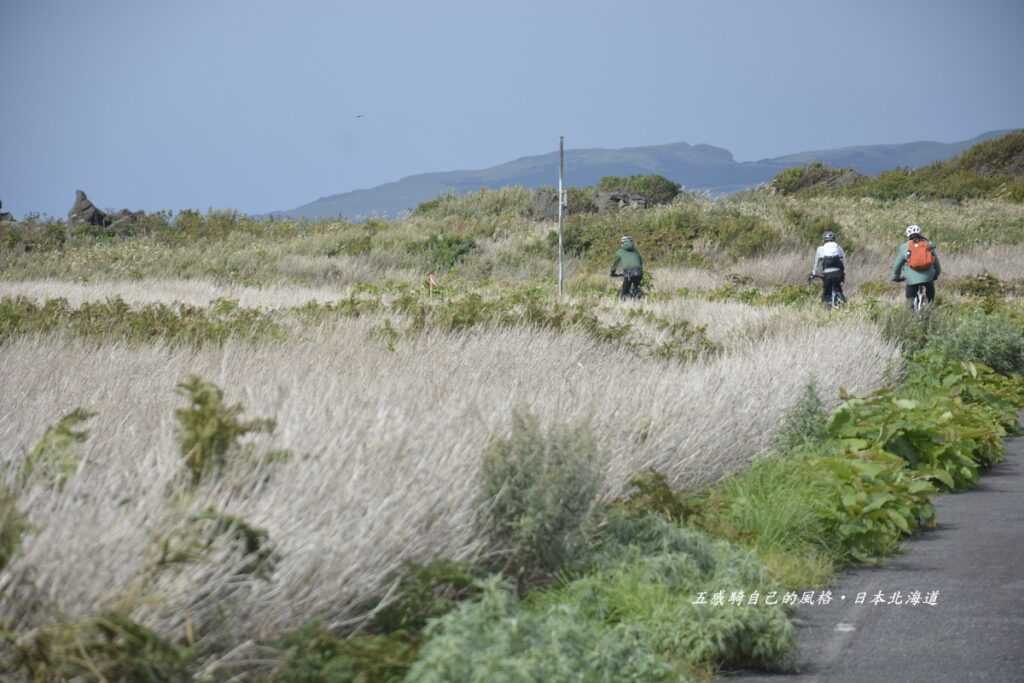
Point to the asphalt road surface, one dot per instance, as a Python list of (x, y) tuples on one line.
[(974, 631)]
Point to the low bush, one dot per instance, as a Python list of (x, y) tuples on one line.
[(442, 252), (874, 501), (539, 489), (994, 338), (497, 639), (649, 491), (110, 647), (809, 228), (115, 320), (312, 654), (654, 576), (938, 435), (813, 177), (427, 592), (975, 383)]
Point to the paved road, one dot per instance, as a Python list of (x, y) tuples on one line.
[(974, 632)]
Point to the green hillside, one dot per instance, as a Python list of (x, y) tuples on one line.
[(990, 169)]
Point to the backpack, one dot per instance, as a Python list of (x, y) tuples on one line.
[(832, 262), (919, 254)]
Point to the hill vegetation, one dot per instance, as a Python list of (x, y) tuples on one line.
[(992, 169)]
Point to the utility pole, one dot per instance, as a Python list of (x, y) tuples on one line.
[(561, 207)]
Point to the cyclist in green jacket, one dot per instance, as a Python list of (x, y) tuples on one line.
[(917, 263), (632, 264)]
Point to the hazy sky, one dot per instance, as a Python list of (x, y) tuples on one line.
[(253, 104)]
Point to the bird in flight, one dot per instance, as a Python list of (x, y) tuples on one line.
[(359, 116)]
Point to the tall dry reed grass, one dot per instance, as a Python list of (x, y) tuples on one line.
[(386, 448)]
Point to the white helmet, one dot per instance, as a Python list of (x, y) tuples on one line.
[(913, 230)]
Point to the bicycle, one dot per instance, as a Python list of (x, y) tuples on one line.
[(920, 299), (635, 291), (837, 299)]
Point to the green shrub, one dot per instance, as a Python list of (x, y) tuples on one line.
[(115, 320), (110, 647), (575, 241), (539, 488), (312, 654), (442, 252), (655, 188), (208, 429), (875, 501), (54, 458), (427, 592), (808, 228), (581, 199), (653, 576), (938, 435), (995, 339), (13, 526), (626, 534), (352, 246), (649, 491), (496, 639), (740, 235), (930, 371)]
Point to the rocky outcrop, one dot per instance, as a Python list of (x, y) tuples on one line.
[(84, 212), (611, 201)]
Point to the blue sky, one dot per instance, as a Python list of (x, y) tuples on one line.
[(253, 105)]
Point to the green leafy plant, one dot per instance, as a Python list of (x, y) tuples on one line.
[(877, 501), (209, 429), (53, 458)]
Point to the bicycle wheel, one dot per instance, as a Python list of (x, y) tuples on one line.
[(920, 298)]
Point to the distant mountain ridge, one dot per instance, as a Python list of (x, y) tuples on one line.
[(696, 167)]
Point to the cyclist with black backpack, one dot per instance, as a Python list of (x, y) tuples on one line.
[(830, 261), (917, 263)]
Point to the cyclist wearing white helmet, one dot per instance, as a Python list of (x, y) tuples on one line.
[(917, 263), (830, 261)]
